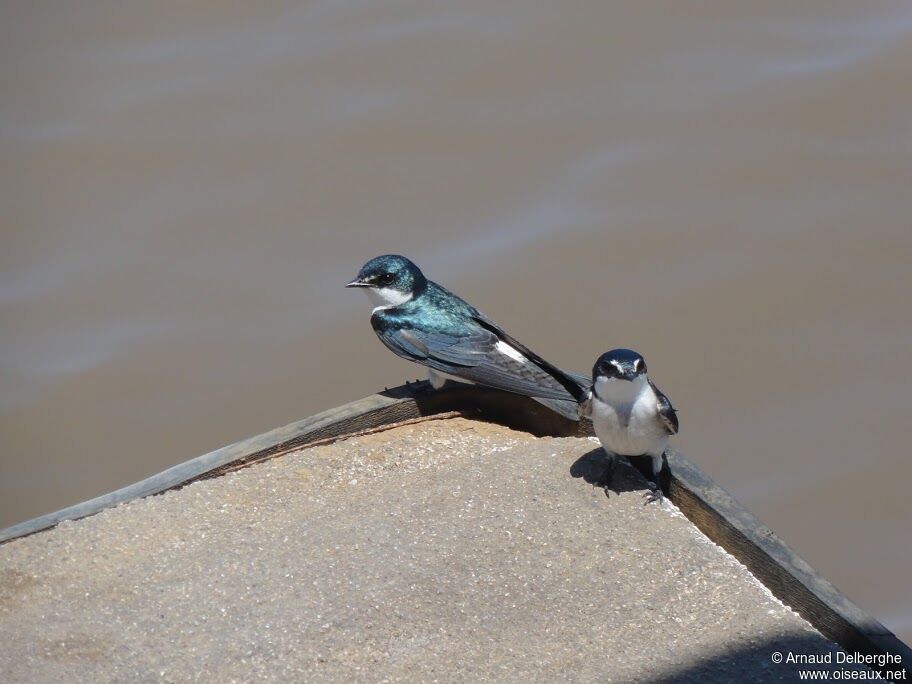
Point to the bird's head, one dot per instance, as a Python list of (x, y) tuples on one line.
[(619, 364), (390, 280)]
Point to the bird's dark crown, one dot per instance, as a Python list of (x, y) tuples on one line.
[(624, 364), (391, 271)]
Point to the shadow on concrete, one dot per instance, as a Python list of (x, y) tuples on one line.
[(505, 408), (754, 662), (612, 474)]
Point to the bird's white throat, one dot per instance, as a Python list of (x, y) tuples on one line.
[(617, 391), (386, 297)]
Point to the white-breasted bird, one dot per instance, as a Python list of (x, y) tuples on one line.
[(630, 415)]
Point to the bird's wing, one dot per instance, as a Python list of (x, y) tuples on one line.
[(477, 356), (667, 413), (576, 385)]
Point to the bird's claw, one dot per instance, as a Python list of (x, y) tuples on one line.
[(653, 494), (421, 387)]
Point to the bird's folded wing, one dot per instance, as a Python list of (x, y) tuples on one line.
[(477, 356), (577, 386), (666, 411)]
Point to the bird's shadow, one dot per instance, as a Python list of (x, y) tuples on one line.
[(612, 474)]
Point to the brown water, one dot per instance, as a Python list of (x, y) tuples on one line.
[(184, 189)]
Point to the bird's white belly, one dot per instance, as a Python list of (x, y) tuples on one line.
[(629, 429)]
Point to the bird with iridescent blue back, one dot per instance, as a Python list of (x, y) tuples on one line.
[(423, 322), (630, 415)]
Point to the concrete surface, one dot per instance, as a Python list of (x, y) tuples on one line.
[(444, 551)]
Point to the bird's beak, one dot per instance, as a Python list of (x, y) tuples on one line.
[(630, 373), (357, 283)]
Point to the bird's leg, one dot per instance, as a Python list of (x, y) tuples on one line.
[(438, 379), (608, 474), (419, 387), (655, 486)]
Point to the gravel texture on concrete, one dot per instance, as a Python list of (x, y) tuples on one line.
[(449, 550)]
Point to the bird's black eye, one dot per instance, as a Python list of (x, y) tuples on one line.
[(385, 279)]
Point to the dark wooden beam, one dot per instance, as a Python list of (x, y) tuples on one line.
[(788, 576)]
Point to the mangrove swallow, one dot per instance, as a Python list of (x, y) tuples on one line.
[(630, 415), (423, 322)]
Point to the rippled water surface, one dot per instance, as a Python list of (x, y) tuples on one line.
[(185, 188)]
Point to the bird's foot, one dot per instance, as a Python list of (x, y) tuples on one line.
[(422, 387), (608, 475), (419, 385), (653, 494)]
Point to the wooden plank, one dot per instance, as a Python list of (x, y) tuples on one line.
[(788, 576), (706, 504), (371, 411)]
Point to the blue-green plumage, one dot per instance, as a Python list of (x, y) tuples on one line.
[(433, 309), (426, 323)]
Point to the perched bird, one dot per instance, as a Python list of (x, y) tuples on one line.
[(630, 415), (423, 322)]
